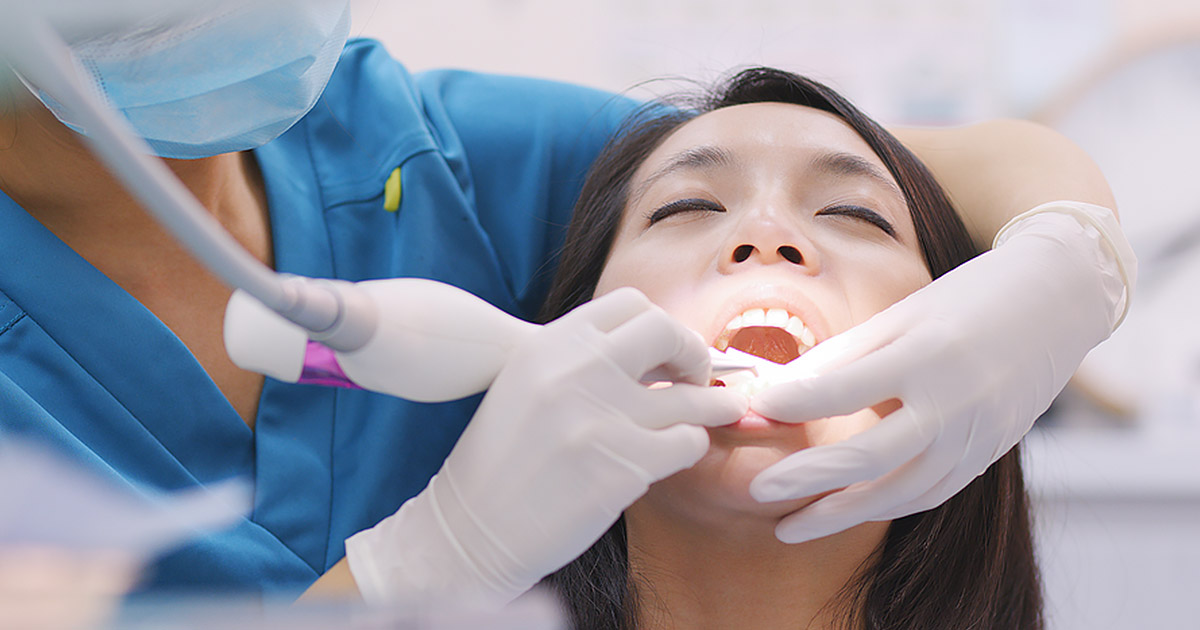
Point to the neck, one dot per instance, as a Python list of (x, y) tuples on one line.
[(46, 168), (733, 572)]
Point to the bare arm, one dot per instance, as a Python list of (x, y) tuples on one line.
[(998, 169)]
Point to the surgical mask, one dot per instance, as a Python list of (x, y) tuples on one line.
[(230, 81)]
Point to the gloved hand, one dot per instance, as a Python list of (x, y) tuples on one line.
[(975, 357), (565, 439)]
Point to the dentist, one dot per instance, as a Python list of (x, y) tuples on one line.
[(327, 159)]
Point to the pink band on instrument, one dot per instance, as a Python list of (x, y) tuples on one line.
[(321, 368)]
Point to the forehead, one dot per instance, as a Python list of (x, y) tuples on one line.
[(774, 130)]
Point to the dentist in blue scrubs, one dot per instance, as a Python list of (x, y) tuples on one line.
[(327, 159), (324, 159)]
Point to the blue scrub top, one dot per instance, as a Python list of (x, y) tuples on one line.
[(490, 169)]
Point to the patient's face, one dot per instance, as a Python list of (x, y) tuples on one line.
[(768, 228)]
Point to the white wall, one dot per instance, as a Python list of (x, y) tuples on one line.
[(903, 60)]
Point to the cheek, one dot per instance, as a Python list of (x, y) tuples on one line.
[(833, 430), (718, 486), (879, 286), (664, 271), (626, 270)]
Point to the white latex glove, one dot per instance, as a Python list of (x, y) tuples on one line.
[(976, 357), (565, 439)]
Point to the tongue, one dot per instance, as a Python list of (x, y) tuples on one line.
[(773, 344)]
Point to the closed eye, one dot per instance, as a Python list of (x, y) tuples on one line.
[(859, 212), (683, 205)]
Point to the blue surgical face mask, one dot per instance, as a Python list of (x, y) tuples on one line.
[(227, 82)]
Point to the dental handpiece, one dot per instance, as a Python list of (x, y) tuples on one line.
[(435, 342)]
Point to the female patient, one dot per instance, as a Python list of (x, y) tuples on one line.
[(770, 216)]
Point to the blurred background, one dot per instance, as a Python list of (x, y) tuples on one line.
[(1115, 466)]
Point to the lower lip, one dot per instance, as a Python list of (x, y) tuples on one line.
[(754, 422)]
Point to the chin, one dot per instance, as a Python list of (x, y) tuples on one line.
[(729, 470), (717, 488)]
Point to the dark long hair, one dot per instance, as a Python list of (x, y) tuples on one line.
[(968, 563)]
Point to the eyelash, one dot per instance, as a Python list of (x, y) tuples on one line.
[(683, 205), (704, 205), (859, 212)]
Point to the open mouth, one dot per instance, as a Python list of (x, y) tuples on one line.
[(772, 334)]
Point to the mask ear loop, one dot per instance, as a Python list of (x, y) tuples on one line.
[(37, 53)]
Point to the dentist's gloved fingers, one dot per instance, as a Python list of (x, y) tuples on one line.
[(948, 461), (962, 474), (659, 453), (897, 438), (949, 486), (608, 311), (652, 339), (688, 404), (861, 502), (870, 380)]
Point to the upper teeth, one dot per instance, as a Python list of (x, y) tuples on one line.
[(774, 318)]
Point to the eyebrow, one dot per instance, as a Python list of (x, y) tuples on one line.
[(706, 157), (851, 165), (701, 158)]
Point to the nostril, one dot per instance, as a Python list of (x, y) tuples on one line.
[(791, 254), (742, 252)]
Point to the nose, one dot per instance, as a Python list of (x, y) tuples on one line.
[(763, 240), (743, 252)]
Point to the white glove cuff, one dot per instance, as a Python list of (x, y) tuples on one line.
[(368, 574), (409, 559), (1118, 257), (388, 561)]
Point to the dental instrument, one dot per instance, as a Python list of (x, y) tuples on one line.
[(260, 340), (411, 338), (724, 364)]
